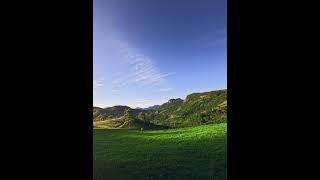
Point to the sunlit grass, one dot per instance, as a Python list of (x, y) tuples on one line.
[(186, 153)]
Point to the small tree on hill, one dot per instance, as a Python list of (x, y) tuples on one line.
[(142, 116), (128, 115)]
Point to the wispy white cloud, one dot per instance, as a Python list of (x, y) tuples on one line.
[(98, 83), (141, 69)]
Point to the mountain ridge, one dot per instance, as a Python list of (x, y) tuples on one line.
[(195, 109)]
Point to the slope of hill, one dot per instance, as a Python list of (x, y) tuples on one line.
[(196, 109), (100, 114)]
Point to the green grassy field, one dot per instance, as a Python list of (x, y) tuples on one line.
[(185, 153)]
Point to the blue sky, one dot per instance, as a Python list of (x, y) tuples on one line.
[(146, 52)]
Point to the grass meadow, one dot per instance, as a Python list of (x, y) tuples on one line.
[(184, 153)]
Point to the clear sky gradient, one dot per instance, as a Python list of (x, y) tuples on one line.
[(146, 52)]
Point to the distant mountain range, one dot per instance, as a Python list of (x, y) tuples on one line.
[(152, 107), (149, 108), (196, 109)]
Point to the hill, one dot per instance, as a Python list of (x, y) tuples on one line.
[(102, 114), (196, 109), (129, 120)]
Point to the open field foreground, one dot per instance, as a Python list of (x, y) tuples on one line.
[(184, 153)]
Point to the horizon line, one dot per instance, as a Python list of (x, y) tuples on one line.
[(158, 104)]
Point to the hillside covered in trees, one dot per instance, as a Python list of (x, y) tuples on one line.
[(195, 109)]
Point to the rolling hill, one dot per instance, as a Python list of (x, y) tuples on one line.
[(102, 114), (196, 109)]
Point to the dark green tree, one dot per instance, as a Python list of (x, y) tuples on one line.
[(142, 116)]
